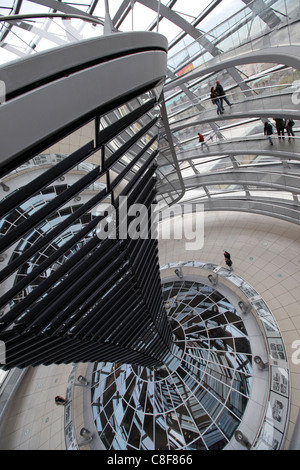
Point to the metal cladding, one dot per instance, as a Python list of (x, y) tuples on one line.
[(87, 298)]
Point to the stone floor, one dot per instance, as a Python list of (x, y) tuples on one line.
[(33, 420)]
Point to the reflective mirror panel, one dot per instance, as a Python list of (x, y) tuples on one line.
[(197, 399)]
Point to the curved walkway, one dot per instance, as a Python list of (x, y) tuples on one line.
[(271, 106), (275, 208), (276, 171), (269, 179), (247, 146), (32, 420), (286, 55), (286, 210)]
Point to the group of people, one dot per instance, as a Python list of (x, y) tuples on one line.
[(281, 125), (217, 95)]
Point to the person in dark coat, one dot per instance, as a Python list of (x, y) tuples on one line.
[(289, 128), (60, 400), (229, 264), (280, 126), (228, 260), (216, 100), (268, 130), (222, 94)]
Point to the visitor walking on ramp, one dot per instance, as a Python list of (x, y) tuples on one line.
[(228, 260), (289, 129), (280, 126), (268, 130), (216, 100), (202, 141), (222, 95), (60, 400)]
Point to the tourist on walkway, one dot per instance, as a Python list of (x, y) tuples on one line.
[(268, 130), (280, 126), (222, 94), (229, 264), (289, 128), (228, 260), (202, 141), (60, 400), (216, 100)]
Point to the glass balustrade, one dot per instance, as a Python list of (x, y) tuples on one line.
[(193, 161), (262, 98), (252, 132), (250, 29), (200, 162), (257, 77)]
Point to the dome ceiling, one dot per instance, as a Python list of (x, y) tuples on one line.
[(238, 169)]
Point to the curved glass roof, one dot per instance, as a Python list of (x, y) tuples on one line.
[(239, 169)]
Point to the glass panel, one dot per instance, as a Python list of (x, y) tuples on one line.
[(139, 19), (33, 35)]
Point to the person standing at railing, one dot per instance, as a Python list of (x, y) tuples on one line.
[(280, 126), (216, 100), (289, 128), (268, 130), (221, 93)]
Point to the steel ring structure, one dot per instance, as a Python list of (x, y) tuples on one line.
[(192, 402), (203, 398), (99, 136)]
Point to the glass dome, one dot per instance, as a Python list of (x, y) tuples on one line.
[(198, 399), (205, 41)]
